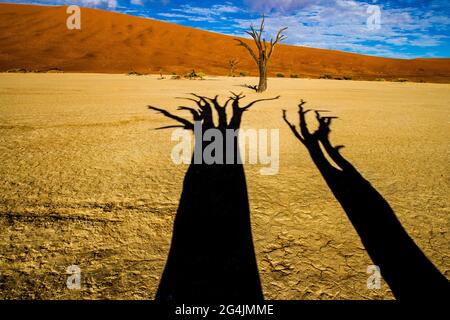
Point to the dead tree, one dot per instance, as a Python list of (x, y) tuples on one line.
[(212, 257), (391, 249), (265, 51), (233, 64)]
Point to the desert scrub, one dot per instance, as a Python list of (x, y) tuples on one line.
[(294, 76), (54, 70), (134, 73), (326, 76), (17, 70), (193, 75), (280, 75)]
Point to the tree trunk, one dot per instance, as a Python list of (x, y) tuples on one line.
[(262, 86), (212, 257)]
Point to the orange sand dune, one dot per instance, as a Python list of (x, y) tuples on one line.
[(36, 38)]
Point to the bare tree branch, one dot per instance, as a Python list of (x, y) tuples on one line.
[(260, 100), (293, 128), (254, 34), (250, 50), (195, 113), (186, 124), (205, 106), (280, 37), (170, 127), (221, 112), (205, 113), (253, 87), (261, 29)]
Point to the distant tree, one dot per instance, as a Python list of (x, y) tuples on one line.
[(265, 51), (233, 64), (161, 77), (195, 75)]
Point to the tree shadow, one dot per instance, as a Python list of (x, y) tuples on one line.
[(212, 256), (405, 268), (249, 86)]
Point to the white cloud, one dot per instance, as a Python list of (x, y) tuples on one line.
[(342, 25), (283, 5), (111, 4), (97, 3), (217, 9), (328, 24), (186, 17), (212, 14)]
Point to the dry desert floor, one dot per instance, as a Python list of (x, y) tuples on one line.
[(86, 180)]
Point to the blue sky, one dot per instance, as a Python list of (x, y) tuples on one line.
[(407, 29)]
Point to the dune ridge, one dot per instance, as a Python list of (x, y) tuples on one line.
[(36, 38)]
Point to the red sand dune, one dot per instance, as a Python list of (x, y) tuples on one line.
[(36, 38)]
